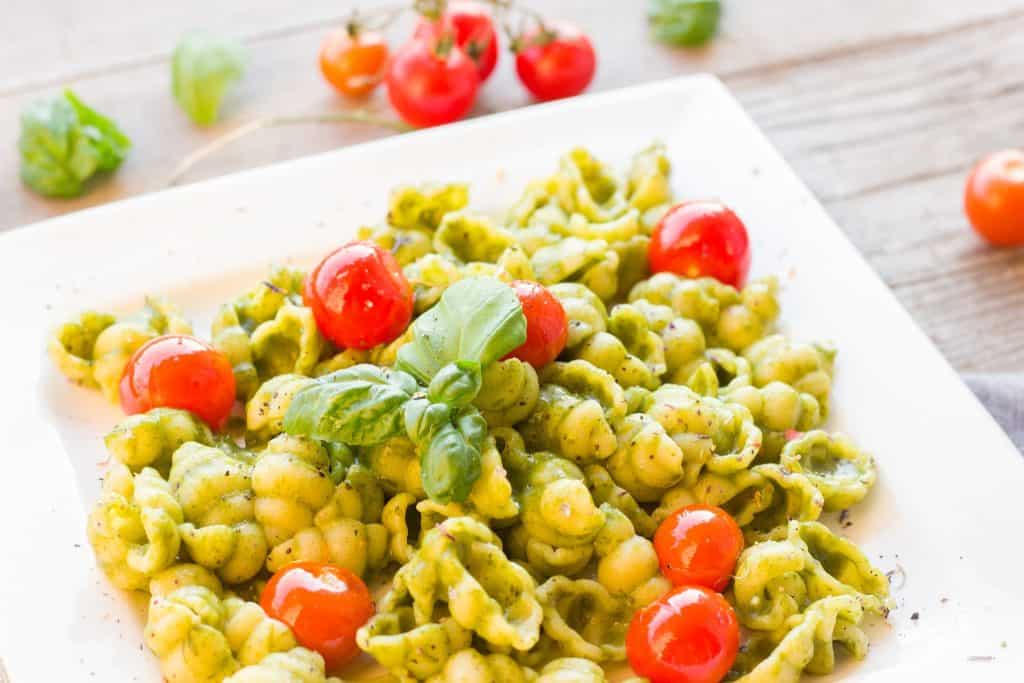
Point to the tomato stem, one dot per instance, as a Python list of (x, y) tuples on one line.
[(351, 116)]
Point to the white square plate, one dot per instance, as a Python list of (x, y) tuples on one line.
[(946, 510)]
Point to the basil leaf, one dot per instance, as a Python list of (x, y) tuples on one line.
[(358, 406), (457, 384), (64, 143), (449, 466), (477, 319), (202, 68), (684, 22)]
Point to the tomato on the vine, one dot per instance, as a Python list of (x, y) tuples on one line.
[(354, 61), (546, 326), (994, 198), (699, 545), (359, 296), (323, 604), (555, 61), (701, 238), (689, 635), (472, 26), (179, 371), (432, 81)]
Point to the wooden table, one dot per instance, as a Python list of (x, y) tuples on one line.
[(880, 105)]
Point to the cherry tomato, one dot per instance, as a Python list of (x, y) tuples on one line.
[(473, 28), (178, 371), (698, 545), (323, 604), (359, 296), (354, 61), (431, 82), (701, 238), (689, 635), (555, 61), (546, 326), (994, 198)]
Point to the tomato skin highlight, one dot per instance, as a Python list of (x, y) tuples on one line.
[(994, 198), (179, 371), (323, 604), (701, 239), (354, 63), (689, 635), (698, 545), (428, 88), (359, 296), (473, 27), (547, 328), (555, 61)]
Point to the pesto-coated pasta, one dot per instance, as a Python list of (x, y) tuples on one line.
[(841, 471), (589, 262), (423, 207), (629, 351), (584, 311), (150, 439), (297, 665), (291, 482), (184, 629), (628, 564), (584, 618), (469, 237), (264, 412), (509, 392), (805, 367), (469, 666)]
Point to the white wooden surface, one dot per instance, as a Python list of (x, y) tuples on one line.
[(880, 106)]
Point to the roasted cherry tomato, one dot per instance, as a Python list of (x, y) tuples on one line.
[(432, 81), (701, 238), (178, 371), (354, 61), (546, 326), (994, 198), (698, 545), (473, 29), (323, 604), (689, 635), (359, 296), (555, 61)]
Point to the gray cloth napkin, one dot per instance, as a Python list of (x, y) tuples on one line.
[(1003, 395)]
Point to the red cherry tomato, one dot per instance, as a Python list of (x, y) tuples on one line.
[(689, 635), (323, 604), (430, 83), (698, 545), (473, 29), (701, 238), (555, 61), (359, 296), (546, 326), (994, 198), (178, 371), (354, 61)]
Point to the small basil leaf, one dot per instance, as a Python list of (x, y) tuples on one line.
[(687, 23), (358, 406), (64, 143), (202, 68), (424, 419), (477, 319), (450, 466), (472, 425), (457, 384)]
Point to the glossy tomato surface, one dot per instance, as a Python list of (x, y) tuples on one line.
[(701, 238), (430, 84), (179, 371), (354, 62), (547, 328), (994, 198), (699, 545), (555, 61), (359, 296), (323, 604), (689, 635), (471, 25)]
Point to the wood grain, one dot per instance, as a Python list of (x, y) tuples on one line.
[(880, 106)]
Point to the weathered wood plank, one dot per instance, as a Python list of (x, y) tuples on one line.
[(885, 137)]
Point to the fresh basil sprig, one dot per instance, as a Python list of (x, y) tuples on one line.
[(357, 406), (64, 143), (473, 325), (202, 68), (687, 23), (478, 319)]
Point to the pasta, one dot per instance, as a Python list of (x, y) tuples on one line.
[(669, 391)]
